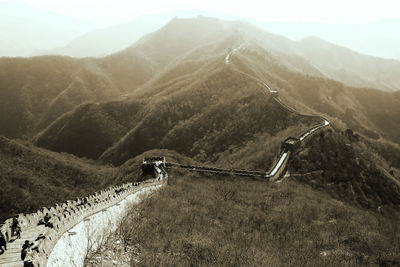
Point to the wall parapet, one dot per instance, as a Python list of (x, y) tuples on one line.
[(62, 217), (75, 216)]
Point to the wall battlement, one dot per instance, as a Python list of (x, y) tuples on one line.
[(44, 228)]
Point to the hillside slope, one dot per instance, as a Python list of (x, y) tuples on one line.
[(350, 67), (348, 168), (205, 108), (371, 112), (31, 177), (201, 114), (35, 91), (90, 129), (206, 220), (317, 57), (210, 115)]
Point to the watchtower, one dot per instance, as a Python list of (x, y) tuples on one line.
[(149, 165), (289, 143)]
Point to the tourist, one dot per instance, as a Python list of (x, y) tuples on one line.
[(18, 231), (15, 228), (3, 243), (24, 249), (47, 222)]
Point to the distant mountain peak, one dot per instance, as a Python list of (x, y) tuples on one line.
[(314, 39)]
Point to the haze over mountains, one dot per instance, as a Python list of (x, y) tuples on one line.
[(378, 39), (25, 32), (109, 40), (184, 90), (169, 85), (36, 91), (375, 38)]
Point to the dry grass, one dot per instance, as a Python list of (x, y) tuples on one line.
[(205, 221)]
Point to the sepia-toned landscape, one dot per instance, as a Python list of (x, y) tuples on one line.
[(183, 139)]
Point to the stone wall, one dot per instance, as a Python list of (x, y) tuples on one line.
[(86, 237), (75, 212), (75, 227)]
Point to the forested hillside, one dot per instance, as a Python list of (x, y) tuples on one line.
[(195, 107), (91, 128), (31, 177), (349, 168), (371, 112), (36, 91)]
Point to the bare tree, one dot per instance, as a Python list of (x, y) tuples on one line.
[(126, 229), (91, 251)]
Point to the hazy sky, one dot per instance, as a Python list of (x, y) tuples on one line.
[(31, 27), (108, 12)]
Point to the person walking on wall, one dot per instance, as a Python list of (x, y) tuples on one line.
[(24, 249), (15, 228), (3, 243), (18, 231)]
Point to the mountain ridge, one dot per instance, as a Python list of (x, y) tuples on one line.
[(181, 76)]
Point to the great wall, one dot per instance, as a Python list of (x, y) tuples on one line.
[(78, 226)]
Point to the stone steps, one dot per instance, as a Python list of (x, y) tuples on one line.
[(13, 249), (12, 264), (101, 202), (9, 256), (12, 256), (15, 259)]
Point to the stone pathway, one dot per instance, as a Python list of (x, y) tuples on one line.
[(12, 256)]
